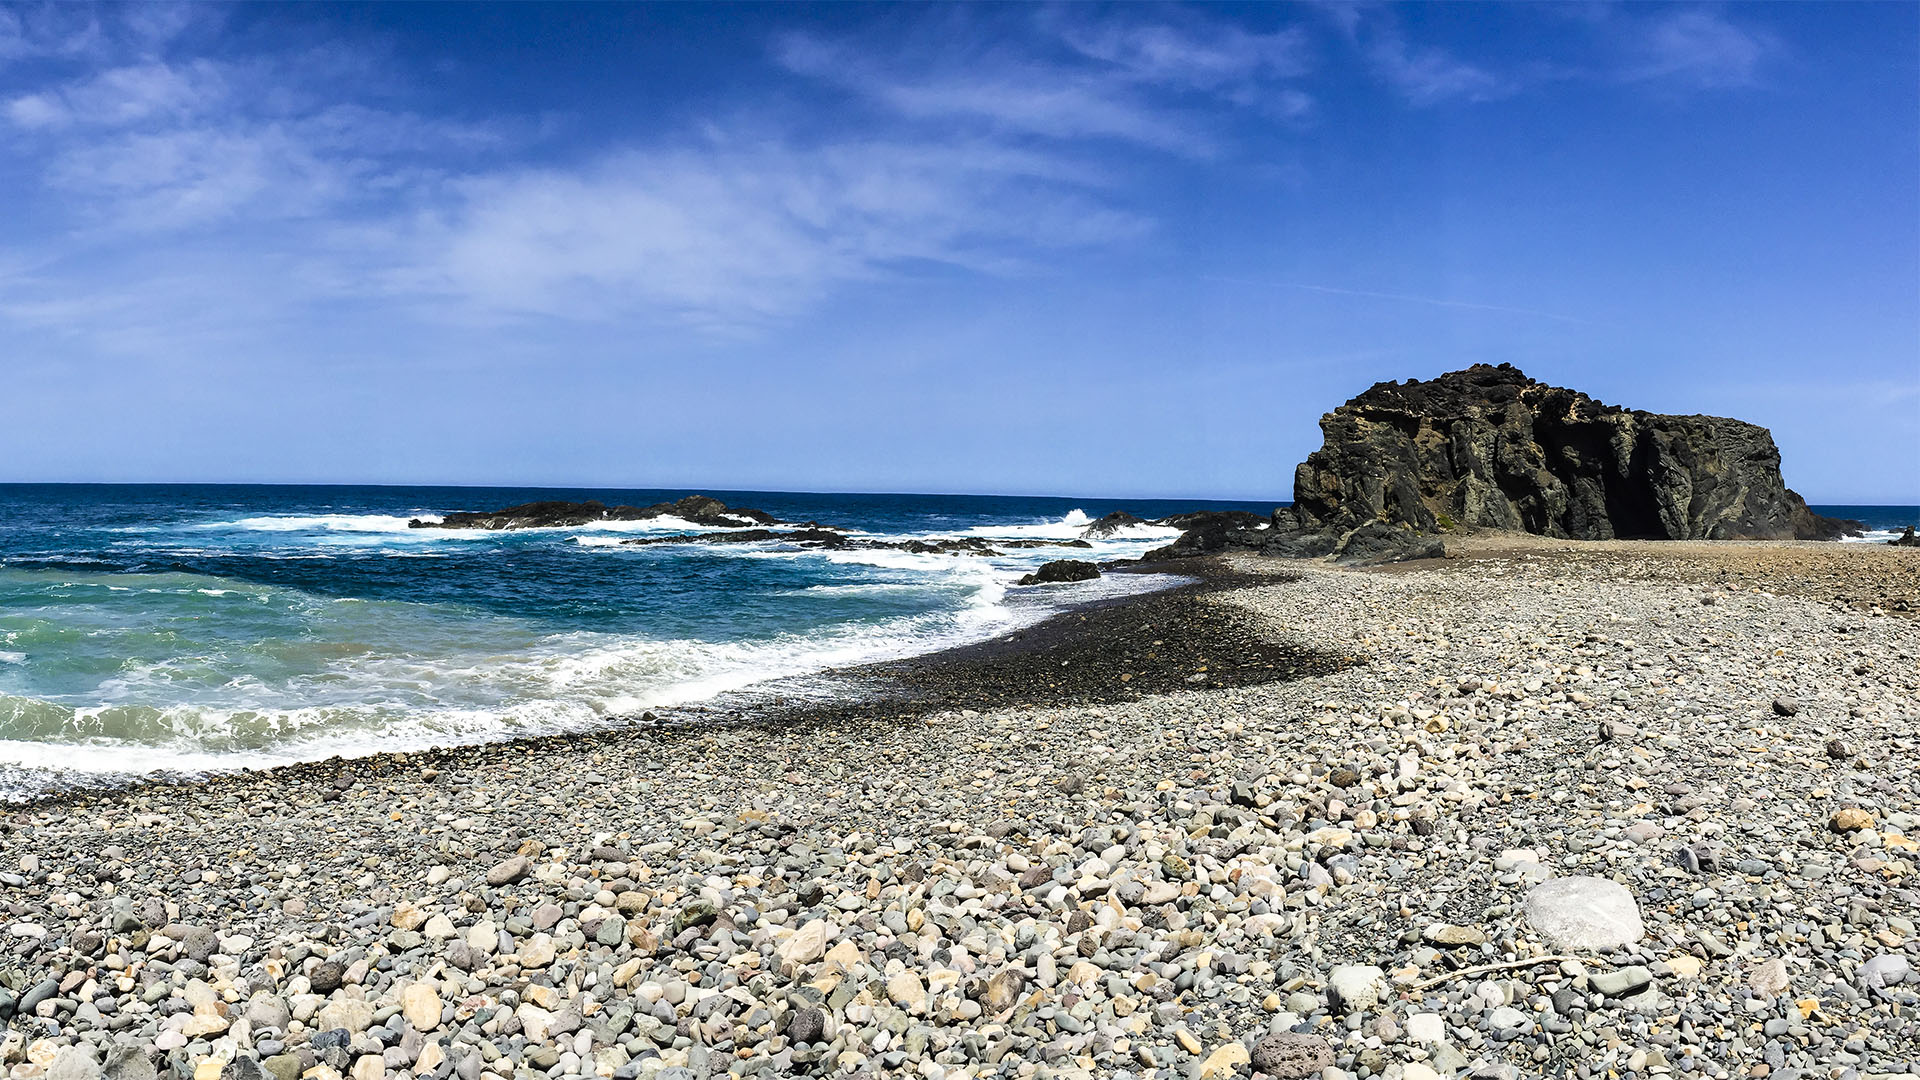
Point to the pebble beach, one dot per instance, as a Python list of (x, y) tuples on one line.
[(1540, 809)]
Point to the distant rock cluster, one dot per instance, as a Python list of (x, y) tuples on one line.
[(555, 514)]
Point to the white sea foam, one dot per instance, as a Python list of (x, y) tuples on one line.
[(354, 523), (367, 675), (1073, 526), (363, 701), (1874, 536)]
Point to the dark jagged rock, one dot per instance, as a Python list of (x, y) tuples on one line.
[(552, 514), (707, 510), (1905, 539), (813, 536), (1300, 543), (533, 515), (963, 545), (822, 537), (1206, 532), (1062, 570), (1214, 520), (1378, 542), (1490, 447), (1110, 525)]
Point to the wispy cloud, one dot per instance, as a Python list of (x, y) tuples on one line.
[(1698, 47), (1429, 75), (1117, 78), (1424, 75), (278, 161), (992, 145), (736, 231), (1214, 57), (1013, 97)]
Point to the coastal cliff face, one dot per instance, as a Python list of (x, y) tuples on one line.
[(1490, 447)]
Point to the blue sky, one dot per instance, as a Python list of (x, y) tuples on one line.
[(1055, 250)]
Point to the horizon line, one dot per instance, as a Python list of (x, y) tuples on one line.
[(1915, 503)]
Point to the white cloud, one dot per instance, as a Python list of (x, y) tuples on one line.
[(1424, 75), (1014, 96), (1700, 48), (1203, 56), (140, 93), (1117, 79), (731, 233), (202, 175), (316, 192), (1429, 76), (47, 30)]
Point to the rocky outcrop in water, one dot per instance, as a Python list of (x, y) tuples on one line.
[(1490, 447), (1905, 539), (554, 514), (1062, 570), (1111, 525), (819, 537)]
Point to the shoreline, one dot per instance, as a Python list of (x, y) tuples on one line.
[(998, 671), (1303, 876)]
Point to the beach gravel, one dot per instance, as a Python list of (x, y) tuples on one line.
[(1522, 813)]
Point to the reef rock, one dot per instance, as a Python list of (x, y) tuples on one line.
[(1062, 570), (697, 509), (1490, 447), (1110, 525)]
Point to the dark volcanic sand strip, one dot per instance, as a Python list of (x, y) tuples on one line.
[(1109, 651), (1102, 653)]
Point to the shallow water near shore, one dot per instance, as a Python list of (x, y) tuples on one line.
[(190, 628)]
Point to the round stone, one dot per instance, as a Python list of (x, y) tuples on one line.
[(1584, 913)]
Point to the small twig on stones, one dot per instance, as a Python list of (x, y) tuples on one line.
[(1505, 965)]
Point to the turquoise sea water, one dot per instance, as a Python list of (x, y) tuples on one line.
[(185, 628), (196, 627)]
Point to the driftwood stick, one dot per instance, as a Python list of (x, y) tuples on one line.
[(1506, 965)]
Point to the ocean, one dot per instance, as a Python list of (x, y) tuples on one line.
[(1883, 522), (181, 629), (174, 629)]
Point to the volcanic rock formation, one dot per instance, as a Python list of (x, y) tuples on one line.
[(1490, 447)]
